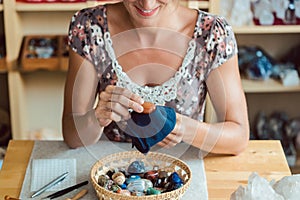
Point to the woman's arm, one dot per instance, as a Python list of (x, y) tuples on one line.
[(79, 124), (82, 123), (230, 134)]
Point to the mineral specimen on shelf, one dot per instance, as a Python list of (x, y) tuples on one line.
[(263, 11), (279, 7), (240, 14)]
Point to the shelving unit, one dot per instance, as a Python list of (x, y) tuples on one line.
[(35, 97), (267, 86), (265, 95), (31, 7), (278, 29), (270, 95), (4, 102), (276, 40)]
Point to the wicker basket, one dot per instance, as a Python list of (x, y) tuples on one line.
[(123, 159)]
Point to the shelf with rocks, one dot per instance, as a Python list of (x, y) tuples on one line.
[(267, 86), (29, 7), (47, 52), (277, 41), (255, 17), (259, 29), (196, 4)]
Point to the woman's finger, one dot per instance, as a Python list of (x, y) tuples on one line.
[(124, 92), (171, 140), (124, 96), (105, 96), (106, 102), (165, 143), (107, 114), (119, 109), (174, 137), (127, 103), (114, 103)]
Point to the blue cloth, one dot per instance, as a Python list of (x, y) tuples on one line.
[(146, 130)]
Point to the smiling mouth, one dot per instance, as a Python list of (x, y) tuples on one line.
[(147, 13)]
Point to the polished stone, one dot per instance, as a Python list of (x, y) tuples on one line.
[(136, 167), (118, 178)]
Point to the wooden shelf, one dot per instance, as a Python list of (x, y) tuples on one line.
[(196, 4), (276, 29), (37, 7), (267, 86), (29, 71), (29, 7)]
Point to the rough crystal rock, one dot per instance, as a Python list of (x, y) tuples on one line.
[(241, 14), (279, 7), (288, 187), (258, 188)]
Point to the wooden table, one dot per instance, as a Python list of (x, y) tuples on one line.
[(224, 173)]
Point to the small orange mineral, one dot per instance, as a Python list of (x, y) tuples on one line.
[(148, 107)]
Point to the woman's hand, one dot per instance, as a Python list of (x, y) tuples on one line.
[(176, 136), (114, 103)]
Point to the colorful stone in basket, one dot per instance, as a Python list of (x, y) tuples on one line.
[(168, 177)]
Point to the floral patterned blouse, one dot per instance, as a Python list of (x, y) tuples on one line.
[(215, 44)]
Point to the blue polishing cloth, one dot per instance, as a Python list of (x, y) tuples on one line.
[(146, 130)]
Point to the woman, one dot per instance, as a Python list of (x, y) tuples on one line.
[(119, 50)]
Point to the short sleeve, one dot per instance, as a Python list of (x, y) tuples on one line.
[(86, 34), (78, 34), (222, 42)]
